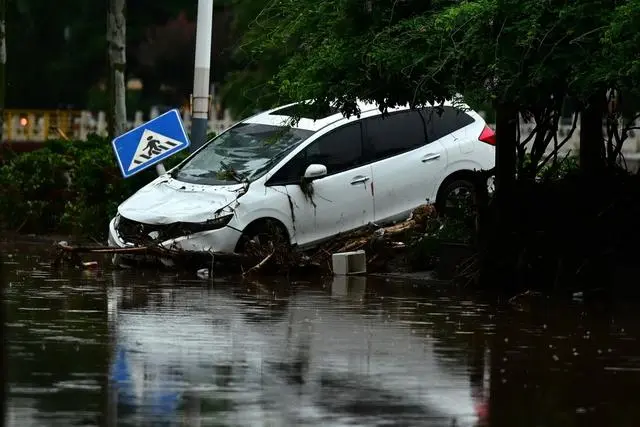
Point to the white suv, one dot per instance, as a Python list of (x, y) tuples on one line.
[(315, 179)]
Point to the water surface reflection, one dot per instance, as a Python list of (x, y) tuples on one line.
[(285, 356), (141, 348)]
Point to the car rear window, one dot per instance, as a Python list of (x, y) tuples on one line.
[(442, 121)]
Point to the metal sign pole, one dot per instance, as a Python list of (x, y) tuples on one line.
[(201, 71), (160, 169)]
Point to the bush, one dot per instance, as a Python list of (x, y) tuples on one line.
[(33, 188), (67, 187), (424, 246)]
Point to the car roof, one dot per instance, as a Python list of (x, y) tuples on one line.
[(282, 115)]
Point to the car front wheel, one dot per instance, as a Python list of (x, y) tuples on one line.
[(266, 239)]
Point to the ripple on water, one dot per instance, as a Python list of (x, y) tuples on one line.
[(622, 369), (90, 289), (40, 297), (68, 339), (89, 385), (82, 311), (31, 391), (44, 331), (86, 375), (15, 324), (39, 274), (414, 322)]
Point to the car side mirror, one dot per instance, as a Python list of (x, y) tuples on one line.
[(315, 171)]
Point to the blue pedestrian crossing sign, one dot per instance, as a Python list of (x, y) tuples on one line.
[(150, 143)]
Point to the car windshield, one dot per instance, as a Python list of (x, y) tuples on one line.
[(242, 154)]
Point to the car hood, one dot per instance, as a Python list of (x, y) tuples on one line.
[(167, 200)]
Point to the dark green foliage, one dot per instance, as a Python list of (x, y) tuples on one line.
[(424, 247), (67, 186), (33, 189), (531, 54), (561, 169)]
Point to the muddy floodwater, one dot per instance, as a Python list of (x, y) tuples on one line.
[(140, 348)]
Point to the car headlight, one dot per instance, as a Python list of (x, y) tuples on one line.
[(218, 222), (193, 227)]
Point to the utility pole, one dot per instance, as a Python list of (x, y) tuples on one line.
[(200, 99)]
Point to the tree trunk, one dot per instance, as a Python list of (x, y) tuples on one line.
[(116, 38), (496, 251), (591, 141), (506, 134), (3, 61)]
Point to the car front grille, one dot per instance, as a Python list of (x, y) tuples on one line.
[(138, 232)]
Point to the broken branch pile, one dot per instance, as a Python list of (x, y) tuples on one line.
[(380, 243), (70, 255)]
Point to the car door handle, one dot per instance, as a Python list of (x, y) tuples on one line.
[(430, 157), (359, 179)]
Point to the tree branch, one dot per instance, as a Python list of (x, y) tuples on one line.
[(574, 124)]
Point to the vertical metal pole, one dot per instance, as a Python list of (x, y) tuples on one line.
[(202, 68), (160, 169)]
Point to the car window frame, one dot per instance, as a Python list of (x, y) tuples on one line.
[(316, 139)]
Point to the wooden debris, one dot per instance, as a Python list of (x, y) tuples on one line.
[(259, 265), (380, 243), (144, 250), (70, 255)]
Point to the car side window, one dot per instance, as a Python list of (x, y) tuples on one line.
[(442, 121), (291, 172), (338, 150), (395, 133)]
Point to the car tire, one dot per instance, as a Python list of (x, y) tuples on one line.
[(264, 236), (452, 190)]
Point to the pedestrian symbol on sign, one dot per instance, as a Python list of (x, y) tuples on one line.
[(151, 145)]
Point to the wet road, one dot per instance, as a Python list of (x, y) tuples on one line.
[(139, 348)]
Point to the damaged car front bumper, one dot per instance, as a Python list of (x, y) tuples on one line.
[(212, 236)]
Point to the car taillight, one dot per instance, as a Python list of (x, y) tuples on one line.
[(482, 412), (488, 135)]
